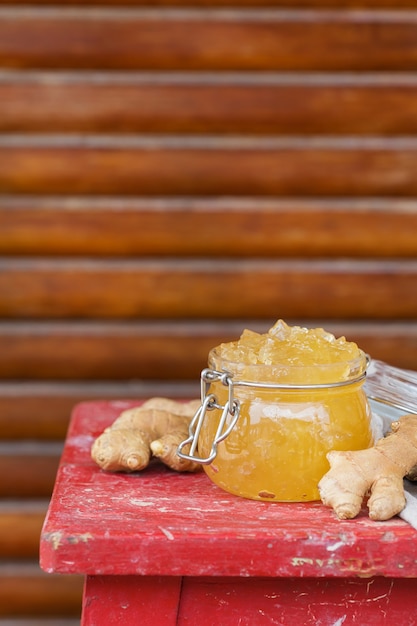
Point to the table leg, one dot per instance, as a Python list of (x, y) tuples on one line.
[(129, 600)]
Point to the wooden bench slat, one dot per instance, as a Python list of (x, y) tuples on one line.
[(45, 595), (314, 4), (209, 166), (203, 288), (41, 410), (30, 468), (202, 227), (20, 527), (214, 103), (43, 621), (207, 39), (149, 352)]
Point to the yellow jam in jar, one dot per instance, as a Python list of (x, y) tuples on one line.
[(300, 395)]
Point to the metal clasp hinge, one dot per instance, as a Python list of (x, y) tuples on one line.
[(208, 403)]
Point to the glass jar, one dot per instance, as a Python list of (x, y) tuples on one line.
[(267, 441)]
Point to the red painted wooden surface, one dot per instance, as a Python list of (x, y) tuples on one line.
[(174, 549), (160, 523)]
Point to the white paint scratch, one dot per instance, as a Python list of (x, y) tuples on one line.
[(167, 533), (335, 546)]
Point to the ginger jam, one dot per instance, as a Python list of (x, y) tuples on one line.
[(299, 395)]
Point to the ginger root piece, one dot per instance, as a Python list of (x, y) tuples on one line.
[(378, 471), (155, 428)]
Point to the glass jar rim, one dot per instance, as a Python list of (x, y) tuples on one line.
[(357, 372)]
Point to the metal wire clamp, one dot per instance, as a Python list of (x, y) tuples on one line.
[(232, 407), (208, 403)]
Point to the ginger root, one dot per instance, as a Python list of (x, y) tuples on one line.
[(155, 428), (378, 470)]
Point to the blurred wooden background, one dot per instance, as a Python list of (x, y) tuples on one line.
[(170, 173)]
